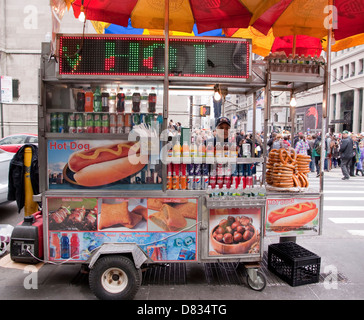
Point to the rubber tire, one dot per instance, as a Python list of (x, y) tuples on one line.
[(263, 282), (122, 263)]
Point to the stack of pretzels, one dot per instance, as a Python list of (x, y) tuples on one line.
[(286, 169)]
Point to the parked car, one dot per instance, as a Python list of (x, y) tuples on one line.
[(14, 142), (5, 158)]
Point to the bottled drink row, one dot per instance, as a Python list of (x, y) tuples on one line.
[(102, 100), (200, 176), (299, 64), (206, 149), (103, 122)]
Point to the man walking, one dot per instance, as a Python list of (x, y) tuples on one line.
[(346, 154)]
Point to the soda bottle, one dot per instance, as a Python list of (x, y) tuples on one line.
[(65, 246), (112, 101), (56, 243), (97, 100), (136, 100), (75, 246), (89, 103), (128, 101), (105, 101), (144, 101), (152, 101), (80, 100), (120, 104)]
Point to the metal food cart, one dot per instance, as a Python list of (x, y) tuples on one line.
[(116, 225)]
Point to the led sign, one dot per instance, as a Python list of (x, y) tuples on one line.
[(144, 56)]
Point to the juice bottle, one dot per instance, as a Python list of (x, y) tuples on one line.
[(193, 149), (177, 149), (202, 150), (65, 246), (219, 150), (56, 243), (185, 150), (210, 150), (89, 100), (75, 246)]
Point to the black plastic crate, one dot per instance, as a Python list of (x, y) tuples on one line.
[(293, 264)]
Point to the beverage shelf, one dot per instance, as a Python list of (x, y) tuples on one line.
[(211, 160)]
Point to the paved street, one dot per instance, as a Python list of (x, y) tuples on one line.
[(340, 248)]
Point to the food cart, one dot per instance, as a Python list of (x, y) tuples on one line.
[(108, 200)]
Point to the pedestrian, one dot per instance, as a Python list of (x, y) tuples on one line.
[(316, 154), (356, 154), (311, 141), (271, 140), (277, 142), (359, 166), (346, 154), (302, 145), (285, 142), (335, 153)]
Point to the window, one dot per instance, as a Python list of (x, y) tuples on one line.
[(361, 66), (352, 69), (276, 117), (334, 75), (341, 73), (346, 71), (15, 89)]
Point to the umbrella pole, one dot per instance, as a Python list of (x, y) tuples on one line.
[(165, 86), (294, 45)]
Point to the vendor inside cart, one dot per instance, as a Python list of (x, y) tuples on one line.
[(222, 130)]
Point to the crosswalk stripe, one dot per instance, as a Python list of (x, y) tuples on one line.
[(356, 232), (344, 199), (344, 208), (347, 220)]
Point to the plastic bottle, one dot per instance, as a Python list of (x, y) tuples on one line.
[(152, 101), (144, 101), (89, 100), (128, 101), (75, 246), (209, 193), (170, 149), (57, 245), (136, 100), (219, 150), (120, 101), (185, 150), (226, 150), (193, 149), (80, 100), (65, 246), (112, 101), (202, 150), (105, 101), (177, 149), (97, 100), (210, 150)]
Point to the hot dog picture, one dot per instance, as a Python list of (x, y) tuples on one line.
[(106, 164), (292, 217)]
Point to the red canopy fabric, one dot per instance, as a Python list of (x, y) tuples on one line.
[(304, 45)]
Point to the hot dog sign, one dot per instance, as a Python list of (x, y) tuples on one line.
[(99, 164), (294, 216)]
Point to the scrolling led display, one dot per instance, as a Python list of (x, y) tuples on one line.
[(144, 56)]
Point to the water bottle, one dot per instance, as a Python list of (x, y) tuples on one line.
[(128, 101), (144, 102), (112, 101)]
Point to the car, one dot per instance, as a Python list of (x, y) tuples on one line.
[(14, 142), (5, 158)]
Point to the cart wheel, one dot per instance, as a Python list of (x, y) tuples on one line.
[(114, 277), (258, 282)]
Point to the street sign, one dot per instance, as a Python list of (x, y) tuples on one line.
[(6, 89)]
